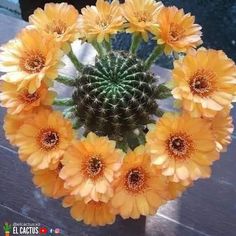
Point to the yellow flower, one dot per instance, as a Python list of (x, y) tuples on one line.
[(139, 190), (17, 101), (141, 16), (30, 59), (92, 213), (177, 31), (222, 128), (49, 181), (204, 82), (59, 20), (102, 21), (43, 138), (181, 149), (90, 166)]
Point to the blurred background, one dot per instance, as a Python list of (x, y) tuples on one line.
[(218, 19)]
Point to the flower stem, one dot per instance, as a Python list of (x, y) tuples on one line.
[(63, 102), (158, 50), (136, 40), (78, 65), (65, 80), (107, 45), (100, 48)]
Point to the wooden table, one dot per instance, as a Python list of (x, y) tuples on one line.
[(208, 208)]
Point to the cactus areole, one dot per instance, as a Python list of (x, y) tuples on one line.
[(116, 95)]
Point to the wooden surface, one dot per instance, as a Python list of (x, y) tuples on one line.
[(208, 208)]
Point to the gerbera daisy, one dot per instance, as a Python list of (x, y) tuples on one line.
[(180, 149), (30, 59), (141, 16), (139, 190), (222, 128), (59, 20), (12, 124), (90, 166), (49, 181), (102, 21), (204, 82), (177, 31), (44, 138), (175, 189), (92, 213), (17, 101)]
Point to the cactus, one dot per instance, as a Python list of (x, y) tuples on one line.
[(116, 95), (7, 228)]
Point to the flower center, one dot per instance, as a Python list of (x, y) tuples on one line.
[(103, 23), (32, 62), (135, 180), (201, 83), (93, 167), (57, 26), (48, 139), (28, 97), (142, 16), (175, 33), (179, 146)]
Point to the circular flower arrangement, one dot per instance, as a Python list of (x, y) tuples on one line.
[(127, 157)]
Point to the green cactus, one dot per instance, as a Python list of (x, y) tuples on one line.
[(7, 227), (116, 95)]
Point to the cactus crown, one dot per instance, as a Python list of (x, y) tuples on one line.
[(115, 96)]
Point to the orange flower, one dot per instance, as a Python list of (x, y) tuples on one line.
[(92, 213), (102, 21), (180, 149), (141, 16), (177, 31), (139, 190), (30, 59), (222, 128), (49, 181), (17, 101), (12, 124), (204, 82), (176, 190), (90, 166), (59, 20), (44, 138)]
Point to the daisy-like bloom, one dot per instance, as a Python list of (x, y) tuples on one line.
[(17, 101), (12, 124), (92, 213), (175, 190), (102, 21), (90, 166), (177, 31), (141, 16), (30, 59), (204, 82), (43, 138), (181, 149), (222, 128), (49, 181), (59, 20), (139, 190)]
